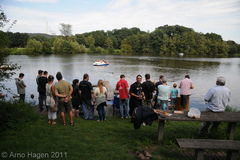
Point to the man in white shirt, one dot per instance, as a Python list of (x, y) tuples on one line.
[(217, 99)]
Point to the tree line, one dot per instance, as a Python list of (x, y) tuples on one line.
[(163, 41)]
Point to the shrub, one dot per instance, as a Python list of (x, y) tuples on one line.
[(34, 46), (15, 115)]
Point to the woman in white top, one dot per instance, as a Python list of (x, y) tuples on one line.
[(50, 101), (163, 94), (100, 94)]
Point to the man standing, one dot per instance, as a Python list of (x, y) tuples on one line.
[(20, 87), (40, 72), (42, 81), (63, 90), (136, 94), (185, 86), (122, 87), (217, 99), (148, 89), (86, 90)]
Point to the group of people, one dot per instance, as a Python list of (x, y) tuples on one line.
[(158, 95), (66, 98)]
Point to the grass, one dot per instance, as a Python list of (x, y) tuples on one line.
[(114, 139)]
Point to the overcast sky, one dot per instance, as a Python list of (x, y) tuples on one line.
[(44, 16)]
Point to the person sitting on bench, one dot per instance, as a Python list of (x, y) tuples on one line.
[(217, 99)]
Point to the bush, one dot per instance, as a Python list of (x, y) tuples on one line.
[(34, 46), (82, 48), (18, 51), (15, 115)]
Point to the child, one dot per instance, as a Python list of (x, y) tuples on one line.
[(32, 101), (173, 95)]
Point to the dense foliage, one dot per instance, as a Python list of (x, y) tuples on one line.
[(163, 41), (15, 115)]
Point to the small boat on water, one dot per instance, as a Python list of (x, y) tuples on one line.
[(181, 54), (100, 63)]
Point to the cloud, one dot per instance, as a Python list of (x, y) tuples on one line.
[(38, 1), (219, 16)]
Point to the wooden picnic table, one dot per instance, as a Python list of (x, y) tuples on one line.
[(230, 117)]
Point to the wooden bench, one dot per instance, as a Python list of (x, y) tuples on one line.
[(200, 145)]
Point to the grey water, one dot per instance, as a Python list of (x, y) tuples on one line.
[(203, 71)]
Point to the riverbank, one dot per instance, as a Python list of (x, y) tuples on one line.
[(114, 139), (102, 51)]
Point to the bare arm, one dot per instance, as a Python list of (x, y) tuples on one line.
[(58, 94)]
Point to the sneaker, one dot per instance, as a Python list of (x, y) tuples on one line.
[(122, 118)]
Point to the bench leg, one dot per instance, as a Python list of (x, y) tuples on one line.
[(232, 155), (160, 131), (199, 154), (231, 130)]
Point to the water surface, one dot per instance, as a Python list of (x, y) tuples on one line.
[(203, 71)]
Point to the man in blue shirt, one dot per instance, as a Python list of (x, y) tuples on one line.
[(217, 99)]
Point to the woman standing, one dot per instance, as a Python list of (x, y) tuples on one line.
[(163, 94), (100, 94), (76, 97), (50, 101)]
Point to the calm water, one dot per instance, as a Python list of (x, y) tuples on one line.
[(203, 71)]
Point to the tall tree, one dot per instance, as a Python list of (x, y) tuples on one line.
[(66, 29)]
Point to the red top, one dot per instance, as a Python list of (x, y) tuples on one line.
[(122, 87)]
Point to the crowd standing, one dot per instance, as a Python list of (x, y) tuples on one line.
[(81, 97)]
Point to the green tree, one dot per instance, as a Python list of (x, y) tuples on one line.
[(126, 48), (80, 39), (4, 40), (46, 47), (108, 43), (18, 40), (34, 46)]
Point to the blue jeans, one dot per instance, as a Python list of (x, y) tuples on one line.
[(163, 104), (101, 111), (124, 109), (87, 110)]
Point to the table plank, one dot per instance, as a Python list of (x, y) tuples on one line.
[(206, 116), (209, 144)]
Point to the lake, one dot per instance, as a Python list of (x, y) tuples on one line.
[(203, 71)]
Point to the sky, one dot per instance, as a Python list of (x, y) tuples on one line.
[(44, 16)]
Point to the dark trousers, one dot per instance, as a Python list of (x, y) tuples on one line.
[(134, 103), (42, 101), (22, 98), (185, 102), (101, 111), (206, 125)]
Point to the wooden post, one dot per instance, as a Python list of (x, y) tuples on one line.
[(199, 154), (160, 131), (231, 130)]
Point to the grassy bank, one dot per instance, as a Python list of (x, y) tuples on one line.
[(114, 139)]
